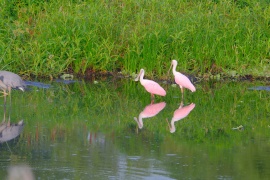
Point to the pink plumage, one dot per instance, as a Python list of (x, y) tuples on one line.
[(153, 88), (152, 109), (181, 79), (179, 114), (150, 86), (182, 112), (149, 111)]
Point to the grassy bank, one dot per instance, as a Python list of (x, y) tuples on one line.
[(207, 37)]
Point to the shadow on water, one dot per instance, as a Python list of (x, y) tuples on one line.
[(83, 130), (266, 88), (46, 85)]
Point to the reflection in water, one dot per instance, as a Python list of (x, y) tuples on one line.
[(66, 81), (149, 111), (9, 132), (267, 88), (59, 119), (37, 84), (22, 172), (95, 138), (179, 114)]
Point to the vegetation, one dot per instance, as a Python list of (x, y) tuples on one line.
[(89, 128), (109, 107), (47, 38)]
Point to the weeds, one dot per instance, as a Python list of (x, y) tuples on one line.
[(50, 37)]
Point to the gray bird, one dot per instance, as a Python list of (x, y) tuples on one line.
[(9, 80)]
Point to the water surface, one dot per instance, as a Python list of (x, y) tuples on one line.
[(86, 130)]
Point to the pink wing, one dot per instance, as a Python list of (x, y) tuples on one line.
[(153, 109), (182, 112), (183, 81), (153, 87)]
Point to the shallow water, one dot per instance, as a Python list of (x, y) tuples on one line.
[(83, 130)]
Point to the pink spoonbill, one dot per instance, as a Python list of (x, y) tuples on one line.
[(150, 86), (150, 110), (181, 79), (179, 114)]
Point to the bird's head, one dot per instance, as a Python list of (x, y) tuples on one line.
[(138, 77), (174, 63)]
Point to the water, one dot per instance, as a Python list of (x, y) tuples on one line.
[(85, 130)]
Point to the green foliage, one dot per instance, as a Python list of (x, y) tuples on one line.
[(51, 37)]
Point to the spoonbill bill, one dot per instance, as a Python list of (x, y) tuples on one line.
[(150, 86), (181, 79)]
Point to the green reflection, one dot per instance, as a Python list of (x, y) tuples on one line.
[(87, 129)]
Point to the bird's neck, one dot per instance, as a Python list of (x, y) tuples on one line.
[(174, 68), (172, 128), (141, 76)]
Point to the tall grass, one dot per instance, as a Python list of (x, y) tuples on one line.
[(48, 38)]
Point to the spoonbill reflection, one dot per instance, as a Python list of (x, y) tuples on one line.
[(9, 132), (150, 86), (149, 111), (181, 79), (179, 114)]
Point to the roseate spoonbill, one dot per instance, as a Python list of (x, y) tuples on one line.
[(181, 79), (150, 110), (179, 114), (150, 86), (10, 80)]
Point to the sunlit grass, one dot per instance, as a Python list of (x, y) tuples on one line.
[(48, 38)]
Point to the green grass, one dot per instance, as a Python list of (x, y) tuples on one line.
[(206, 37)]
